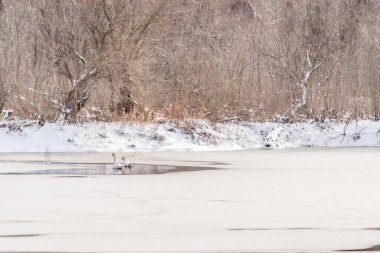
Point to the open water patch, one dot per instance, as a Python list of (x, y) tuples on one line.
[(20, 235), (80, 170), (373, 248)]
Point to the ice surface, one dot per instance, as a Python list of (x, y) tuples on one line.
[(263, 200)]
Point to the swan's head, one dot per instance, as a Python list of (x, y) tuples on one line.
[(113, 154), (123, 158)]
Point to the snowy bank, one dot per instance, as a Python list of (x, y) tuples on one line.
[(194, 135)]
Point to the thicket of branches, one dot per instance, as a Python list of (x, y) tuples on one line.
[(251, 59)]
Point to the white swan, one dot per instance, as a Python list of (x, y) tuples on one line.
[(116, 166), (126, 163)]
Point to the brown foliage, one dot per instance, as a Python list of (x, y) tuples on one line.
[(219, 59)]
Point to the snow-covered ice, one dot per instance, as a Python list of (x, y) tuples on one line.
[(193, 135), (259, 200)]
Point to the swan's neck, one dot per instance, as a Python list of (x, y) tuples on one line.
[(114, 160)]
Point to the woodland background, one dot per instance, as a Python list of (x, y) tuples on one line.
[(216, 59)]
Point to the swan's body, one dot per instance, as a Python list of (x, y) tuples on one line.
[(116, 166), (126, 163)]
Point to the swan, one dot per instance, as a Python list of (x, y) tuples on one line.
[(126, 163), (116, 166)]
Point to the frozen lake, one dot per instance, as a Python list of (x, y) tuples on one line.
[(244, 201)]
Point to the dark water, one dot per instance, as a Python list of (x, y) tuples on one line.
[(373, 248), (82, 170), (20, 235)]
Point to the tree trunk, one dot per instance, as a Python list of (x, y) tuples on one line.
[(78, 96)]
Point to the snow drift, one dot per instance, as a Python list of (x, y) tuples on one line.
[(193, 135)]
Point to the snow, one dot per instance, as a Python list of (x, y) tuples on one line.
[(6, 113), (260, 200), (195, 135)]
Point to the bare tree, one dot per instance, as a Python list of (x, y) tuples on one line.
[(4, 93), (220, 59)]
